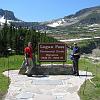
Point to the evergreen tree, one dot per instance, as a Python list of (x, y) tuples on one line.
[(4, 40), (17, 39)]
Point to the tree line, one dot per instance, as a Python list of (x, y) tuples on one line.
[(16, 38)]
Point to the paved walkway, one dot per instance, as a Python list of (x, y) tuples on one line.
[(53, 87)]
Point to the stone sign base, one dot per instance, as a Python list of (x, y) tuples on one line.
[(53, 69)]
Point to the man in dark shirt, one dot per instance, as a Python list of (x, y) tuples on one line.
[(76, 56)]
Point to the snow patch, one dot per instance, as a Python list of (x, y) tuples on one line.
[(56, 23), (3, 21)]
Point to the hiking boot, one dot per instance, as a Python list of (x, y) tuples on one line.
[(77, 74), (29, 75)]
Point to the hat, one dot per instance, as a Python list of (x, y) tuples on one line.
[(29, 42), (75, 43)]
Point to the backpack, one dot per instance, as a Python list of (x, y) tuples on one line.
[(75, 51)]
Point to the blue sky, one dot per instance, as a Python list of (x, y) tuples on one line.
[(45, 10)]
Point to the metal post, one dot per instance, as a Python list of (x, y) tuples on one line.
[(96, 70), (85, 81), (8, 70), (85, 77), (63, 63), (51, 64)]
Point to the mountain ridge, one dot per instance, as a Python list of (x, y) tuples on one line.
[(9, 15), (78, 17), (84, 16)]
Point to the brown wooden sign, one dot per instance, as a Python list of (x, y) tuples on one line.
[(52, 52)]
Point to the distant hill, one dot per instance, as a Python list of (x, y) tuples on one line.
[(84, 16), (84, 23), (87, 16)]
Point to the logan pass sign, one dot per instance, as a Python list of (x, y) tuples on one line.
[(52, 52)]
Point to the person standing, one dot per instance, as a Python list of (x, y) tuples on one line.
[(27, 64), (76, 56)]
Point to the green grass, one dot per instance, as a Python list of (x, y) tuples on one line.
[(13, 62), (88, 91)]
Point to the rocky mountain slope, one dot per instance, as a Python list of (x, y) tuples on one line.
[(84, 16)]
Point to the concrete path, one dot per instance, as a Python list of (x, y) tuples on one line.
[(53, 87)]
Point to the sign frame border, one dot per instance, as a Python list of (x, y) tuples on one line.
[(53, 60)]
